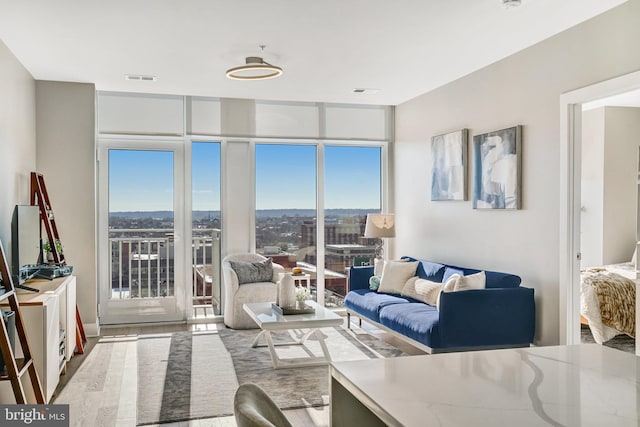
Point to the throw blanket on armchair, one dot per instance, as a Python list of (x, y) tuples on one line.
[(616, 297)]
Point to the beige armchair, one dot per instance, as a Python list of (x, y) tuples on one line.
[(236, 295)]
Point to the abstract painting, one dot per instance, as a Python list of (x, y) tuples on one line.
[(497, 169), (449, 165)]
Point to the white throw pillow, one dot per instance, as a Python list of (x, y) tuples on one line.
[(378, 266), (409, 289), (472, 281), (450, 284), (395, 274), (422, 290)]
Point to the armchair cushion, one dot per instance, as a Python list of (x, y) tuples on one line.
[(370, 303), (253, 272)]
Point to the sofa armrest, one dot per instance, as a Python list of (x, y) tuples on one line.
[(487, 317), (359, 277)]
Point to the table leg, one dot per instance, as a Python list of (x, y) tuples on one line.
[(272, 350), (279, 363), (305, 336), (255, 341), (323, 345)]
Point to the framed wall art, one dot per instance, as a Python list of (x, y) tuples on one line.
[(497, 164), (449, 166)]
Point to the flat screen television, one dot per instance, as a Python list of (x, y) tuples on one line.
[(26, 248)]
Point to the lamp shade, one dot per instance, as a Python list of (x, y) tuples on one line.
[(380, 225)]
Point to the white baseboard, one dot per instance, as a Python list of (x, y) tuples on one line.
[(91, 329)]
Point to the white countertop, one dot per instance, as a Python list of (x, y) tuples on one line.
[(580, 385)]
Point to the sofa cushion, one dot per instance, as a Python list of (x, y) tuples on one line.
[(415, 320), (428, 270), (369, 303), (253, 272), (494, 279), (395, 274)]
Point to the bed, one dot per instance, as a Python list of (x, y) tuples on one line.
[(608, 300)]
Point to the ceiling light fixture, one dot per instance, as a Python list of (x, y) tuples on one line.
[(255, 68)]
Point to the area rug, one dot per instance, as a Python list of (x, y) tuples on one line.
[(190, 375), (183, 376), (302, 386), (620, 342)]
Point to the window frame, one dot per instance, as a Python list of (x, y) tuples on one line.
[(321, 144)]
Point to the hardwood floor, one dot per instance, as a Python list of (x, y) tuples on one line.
[(101, 396)]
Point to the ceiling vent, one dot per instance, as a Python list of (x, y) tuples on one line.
[(511, 3), (140, 78), (366, 91)]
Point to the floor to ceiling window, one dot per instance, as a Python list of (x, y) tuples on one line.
[(352, 189), (205, 229), (287, 216), (286, 209), (307, 193)]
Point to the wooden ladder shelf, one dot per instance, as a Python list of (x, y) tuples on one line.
[(40, 198), (16, 368)]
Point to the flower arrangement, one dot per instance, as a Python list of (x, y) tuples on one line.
[(302, 294)]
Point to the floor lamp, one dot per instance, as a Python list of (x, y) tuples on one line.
[(380, 226)]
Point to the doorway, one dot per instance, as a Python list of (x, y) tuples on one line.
[(570, 200), (140, 223)]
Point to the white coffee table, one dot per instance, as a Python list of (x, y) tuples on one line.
[(268, 320)]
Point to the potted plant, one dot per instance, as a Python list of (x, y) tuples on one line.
[(46, 247)]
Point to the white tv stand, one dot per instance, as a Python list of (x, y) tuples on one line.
[(45, 315)]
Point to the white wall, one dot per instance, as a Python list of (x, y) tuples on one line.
[(592, 189), (66, 158), (521, 89), (17, 139), (622, 139), (609, 185)]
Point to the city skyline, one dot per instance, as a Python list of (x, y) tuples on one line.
[(142, 180)]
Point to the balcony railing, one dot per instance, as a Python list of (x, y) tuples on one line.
[(142, 264)]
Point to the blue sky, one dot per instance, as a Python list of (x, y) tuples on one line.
[(285, 177), (140, 180)]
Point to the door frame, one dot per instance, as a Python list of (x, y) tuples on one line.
[(570, 186), (177, 307)]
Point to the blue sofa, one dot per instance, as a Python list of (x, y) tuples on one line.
[(500, 316)]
